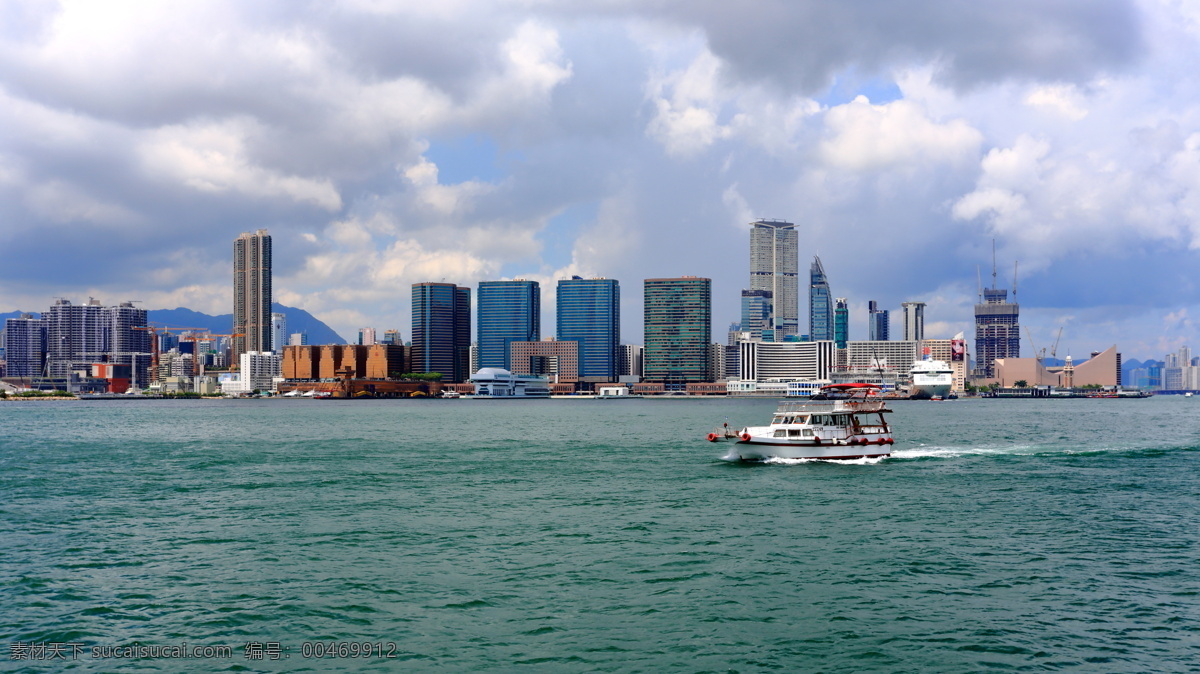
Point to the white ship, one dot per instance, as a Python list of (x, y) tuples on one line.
[(498, 383), (931, 379)]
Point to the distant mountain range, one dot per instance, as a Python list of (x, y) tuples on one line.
[(298, 320)]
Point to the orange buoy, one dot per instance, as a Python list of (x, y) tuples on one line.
[(712, 437), (745, 437)]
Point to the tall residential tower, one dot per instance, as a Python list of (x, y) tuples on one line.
[(251, 293), (774, 267)]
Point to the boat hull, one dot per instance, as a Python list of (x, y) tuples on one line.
[(752, 451)]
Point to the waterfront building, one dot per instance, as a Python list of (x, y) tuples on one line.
[(589, 313), (820, 304), (441, 330), (786, 361), (775, 268), (630, 360), (717, 357), (279, 333), (733, 351), (251, 293), (877, 323), (508, 311), (24, 346), (77, 335), (678, 331), (257, 372), (914, 321), (841, 322), (756, 313), (891, 356), (557, 360)]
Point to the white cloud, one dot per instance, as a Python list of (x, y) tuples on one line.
[(212, 157), (861, 136)]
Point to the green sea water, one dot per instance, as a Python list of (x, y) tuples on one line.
[(562, 536)]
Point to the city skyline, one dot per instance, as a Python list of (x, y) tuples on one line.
[(379, 157)]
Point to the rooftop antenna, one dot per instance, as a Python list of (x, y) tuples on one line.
[(979, 273), (993, 264), (1015, 262)]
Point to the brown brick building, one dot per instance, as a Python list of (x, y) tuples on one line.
[(333, 361), (548, 357)]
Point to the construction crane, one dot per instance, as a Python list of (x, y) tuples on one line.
[(1040, 356), (1054, 349), (201, 338), (154, 330)]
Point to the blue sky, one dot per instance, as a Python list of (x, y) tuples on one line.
[(385, 143)]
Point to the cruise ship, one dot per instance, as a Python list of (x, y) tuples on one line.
[(495, 382), (931, 379)]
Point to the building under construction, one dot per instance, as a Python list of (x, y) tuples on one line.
[(997, 329)]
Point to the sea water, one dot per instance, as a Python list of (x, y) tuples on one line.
[(583, 535)]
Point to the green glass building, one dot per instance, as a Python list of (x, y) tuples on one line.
[(678, 331)]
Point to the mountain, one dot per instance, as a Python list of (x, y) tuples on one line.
[(298, 320)]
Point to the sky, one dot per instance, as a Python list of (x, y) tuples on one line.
[(386, 143)]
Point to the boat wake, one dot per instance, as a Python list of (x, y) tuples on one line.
[(842, 462)]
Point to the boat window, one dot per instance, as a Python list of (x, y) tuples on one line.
[(802, 420), (780, 433), (795, 433), (777, 420)]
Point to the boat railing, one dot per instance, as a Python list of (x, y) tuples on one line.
[(829, 406)]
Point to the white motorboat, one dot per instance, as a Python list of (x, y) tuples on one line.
[(450, 393), (843, 421)]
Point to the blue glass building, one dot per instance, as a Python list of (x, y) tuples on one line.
[(508, 311), (756, 314), (877, 323), (589, 312), (441, 330), (841, 322), (820, 304)]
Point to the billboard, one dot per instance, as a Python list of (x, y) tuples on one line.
[(958, 350)]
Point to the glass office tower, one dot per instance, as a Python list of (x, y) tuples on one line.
[(589, 312), (441, 330), (678, 325), (508, 311), (820, 304)]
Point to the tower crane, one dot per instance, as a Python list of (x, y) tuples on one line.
[(154, 330), (1054, 349)]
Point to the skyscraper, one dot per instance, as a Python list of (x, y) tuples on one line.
[(441, 329), (775, 268), (841, 322), (366, 336), (24, 346), (877, 323), (589, 313), (678, 331), (756, 314), (508, 311), (997, 330), (251, 293), (279, 333), (914, 321), (820, 304)]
